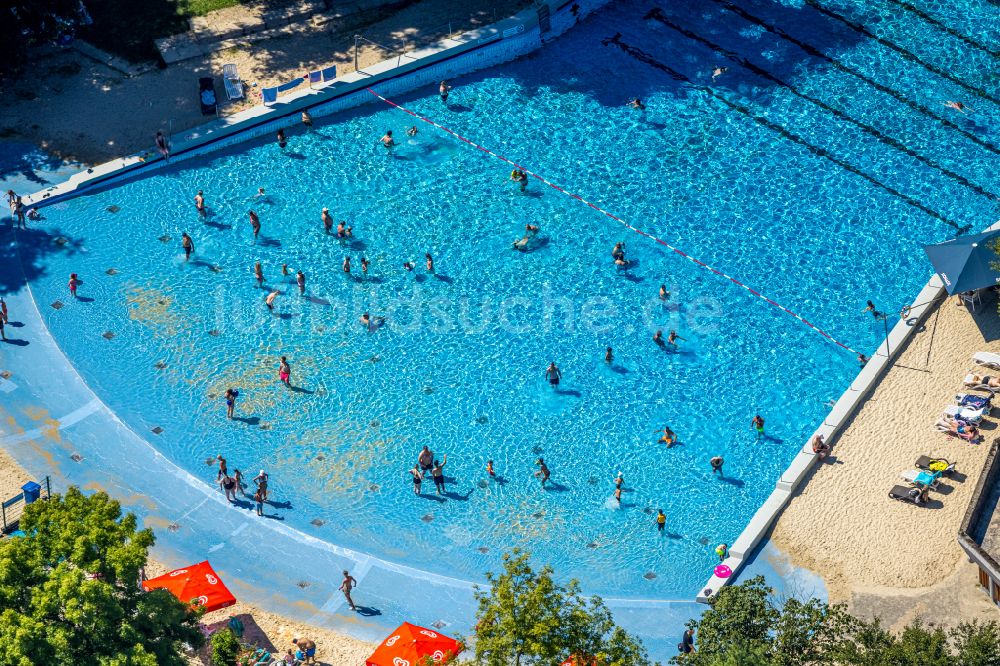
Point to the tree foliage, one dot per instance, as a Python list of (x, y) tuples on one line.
[(69, 590), (26, 22), (526, 618), (745, 626)]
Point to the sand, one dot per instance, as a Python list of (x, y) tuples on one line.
[(842, 525), (262, 628), (82, 110)]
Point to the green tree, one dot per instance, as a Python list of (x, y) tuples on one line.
[(526, 617), (977, 644), (26, 22), (69, 590)]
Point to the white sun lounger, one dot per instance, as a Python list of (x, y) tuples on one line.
[(989, 359), (231, 79)]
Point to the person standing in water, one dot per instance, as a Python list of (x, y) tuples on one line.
[(346, 586), (258, 274), (543, 472), (489, 469), (387, 139), (673, 338), (300, 279), (231, 395), (418, 477), (327, 220), (553, 374), (223, 468), (282, 141), (285, 372), (188, 245), (661, 520), (609, 356), (443, 90), (430, 262), (716, 464), (437, 473), (758, 425), (364, 266), (269, 301), (199, 203), (255, 223), (307, 120), (347, 264), (73, 283)]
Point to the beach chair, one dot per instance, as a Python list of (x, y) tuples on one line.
[(329, 74), (231, 79), (989, 359), (935, 465), (967, 414), (315, 77), (908, 495), (919, 477), (269, 95)]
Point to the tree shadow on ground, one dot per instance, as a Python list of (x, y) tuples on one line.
[(29, 249)]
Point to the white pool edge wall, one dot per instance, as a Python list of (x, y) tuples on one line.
[(850, 401), (471, 51)]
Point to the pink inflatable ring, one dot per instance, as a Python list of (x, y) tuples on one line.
[(723, 571)]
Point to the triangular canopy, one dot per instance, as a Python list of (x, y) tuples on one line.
[(409, 644), (966, 262), (196, 584)]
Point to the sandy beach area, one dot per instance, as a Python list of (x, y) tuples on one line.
[(883, 556), (82, 110), (261, 628)]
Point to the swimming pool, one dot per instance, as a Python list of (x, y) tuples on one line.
[(805, 179)]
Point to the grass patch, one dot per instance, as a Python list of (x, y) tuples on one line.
[(127, 28)]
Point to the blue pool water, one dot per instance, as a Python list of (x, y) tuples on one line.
[(812, 173)]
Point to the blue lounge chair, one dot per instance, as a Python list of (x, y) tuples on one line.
[(330, 73), (270, 95)]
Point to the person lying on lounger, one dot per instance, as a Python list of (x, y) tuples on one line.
[(968, 432), (983, 380)]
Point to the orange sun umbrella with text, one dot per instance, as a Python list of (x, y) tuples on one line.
[(196, 584), (409, 644)]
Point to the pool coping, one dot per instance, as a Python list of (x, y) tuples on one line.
[(849, 403)]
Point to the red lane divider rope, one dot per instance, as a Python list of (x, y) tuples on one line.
[(616, 219)]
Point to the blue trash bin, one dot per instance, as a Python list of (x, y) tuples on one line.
[(31, 491)]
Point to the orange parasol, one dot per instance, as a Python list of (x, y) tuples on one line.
[(196, 584), (409, 644)]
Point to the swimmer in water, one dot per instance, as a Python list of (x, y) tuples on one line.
[(418, 477), (618, 496), (444, 89), (609, 357), (188, 245), (673, 338), (347, 264), (621, 262), (387, 139), (619, 480), (364, 266), (667, 436), (636, 103), (521, 244), (327, 220), (408, 265), (664, 294), (532, 228), (716, 464), (425, 459), (719, 71), (553, 374), (412, 131), (255, 223), (658, 338), (430, 262), (758, 424), (958, 106), (260, 194), (74, 282), (300, 278), (199, 203), (258, 273), (521, 177), (618, 251), (341, 229), (307, 120), (269, 301), (371, 323), (284, 269), (489, 469), (282, 141)]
